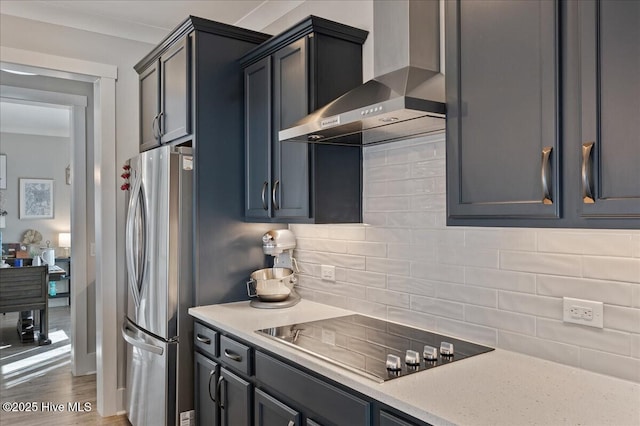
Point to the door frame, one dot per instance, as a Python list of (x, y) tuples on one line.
[(103, 77)]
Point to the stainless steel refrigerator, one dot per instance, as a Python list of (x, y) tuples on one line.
[(159, 259)]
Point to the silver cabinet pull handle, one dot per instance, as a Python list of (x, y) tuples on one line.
[(273, 195), (153, 127), (545, 175), (160, 134), (264, 190), (232, 355), (211, 375), (291, 423), (587, 173), (202, 339), (219, 393)]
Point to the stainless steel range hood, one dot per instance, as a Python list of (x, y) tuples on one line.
[(407, 98)]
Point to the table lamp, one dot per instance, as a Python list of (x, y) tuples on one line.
[(64, 241)]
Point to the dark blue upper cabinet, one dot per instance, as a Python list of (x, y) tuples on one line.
[(286, 78), (502, 110), (543, 100), (610, 109)]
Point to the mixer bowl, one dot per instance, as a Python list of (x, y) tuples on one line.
[(271, 284)]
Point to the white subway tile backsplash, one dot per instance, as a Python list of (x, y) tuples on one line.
[(612, 268), (635, 345), (497, 278), (388, 235), (594, 338), (348, 232), (335, 259), (502, 287), (412, 219), (611, 292), (309, 231), (438, 272), (541, 263), (437, 307), (429, 168), (586, 242), (370, 279), (545, 349), (388, 173), (612, 365), (518, 239), (388, 266), (484, 258), (416, 319), (316, 244), (428, 202), (391, 298), (502, 320), (466, 294), (365, 248), (548, 307), (366, 307), (388, 204), (422, 253), (411, 285), (468, 331), (375, 218), (620, 318)]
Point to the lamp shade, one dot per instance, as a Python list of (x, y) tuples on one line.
[(64, 239)]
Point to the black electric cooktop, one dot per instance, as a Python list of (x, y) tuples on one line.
[(377, 349)]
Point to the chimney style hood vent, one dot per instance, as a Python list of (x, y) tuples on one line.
[(406, 99)]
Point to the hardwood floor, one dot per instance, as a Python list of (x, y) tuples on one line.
[(37, 386)]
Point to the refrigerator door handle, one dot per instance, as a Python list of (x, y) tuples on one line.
[(130, 338), (133, 275)]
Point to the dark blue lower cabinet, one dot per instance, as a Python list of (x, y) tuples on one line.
[(206, 379), (235, 399), (271, 412), (388, 419)]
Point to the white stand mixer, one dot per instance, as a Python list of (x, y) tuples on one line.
[(278, 243)]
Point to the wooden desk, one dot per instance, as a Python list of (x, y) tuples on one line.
[(25, 289)]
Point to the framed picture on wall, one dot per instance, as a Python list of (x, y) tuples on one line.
[(3, 171), (36, 198)]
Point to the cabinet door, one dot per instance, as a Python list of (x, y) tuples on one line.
[(235, 400), (206, 379), (271, 412), (257, 96), (387, 419), (149, 87), (290, 190), (174, 120), (502, 109), (610, 146)]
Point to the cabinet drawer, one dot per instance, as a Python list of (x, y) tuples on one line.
[(205, 339), (235, 355), (335, 405)]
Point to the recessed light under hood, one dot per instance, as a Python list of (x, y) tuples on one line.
[(405, 102)]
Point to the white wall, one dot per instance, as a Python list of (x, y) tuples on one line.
[(63, 41), (40, 157), (500, 287), (357, 13)]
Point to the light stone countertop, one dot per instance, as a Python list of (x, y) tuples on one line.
[(496, 388)]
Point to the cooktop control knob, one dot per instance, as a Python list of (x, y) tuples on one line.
[(430, 353), (394, 363), (446, 349), (412, 357)]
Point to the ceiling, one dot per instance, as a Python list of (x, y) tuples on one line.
[(147, 21)]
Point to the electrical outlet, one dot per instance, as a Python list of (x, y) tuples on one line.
[(328, 272), (583, 312)]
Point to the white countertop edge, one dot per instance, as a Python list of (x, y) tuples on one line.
[(503, 374)]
